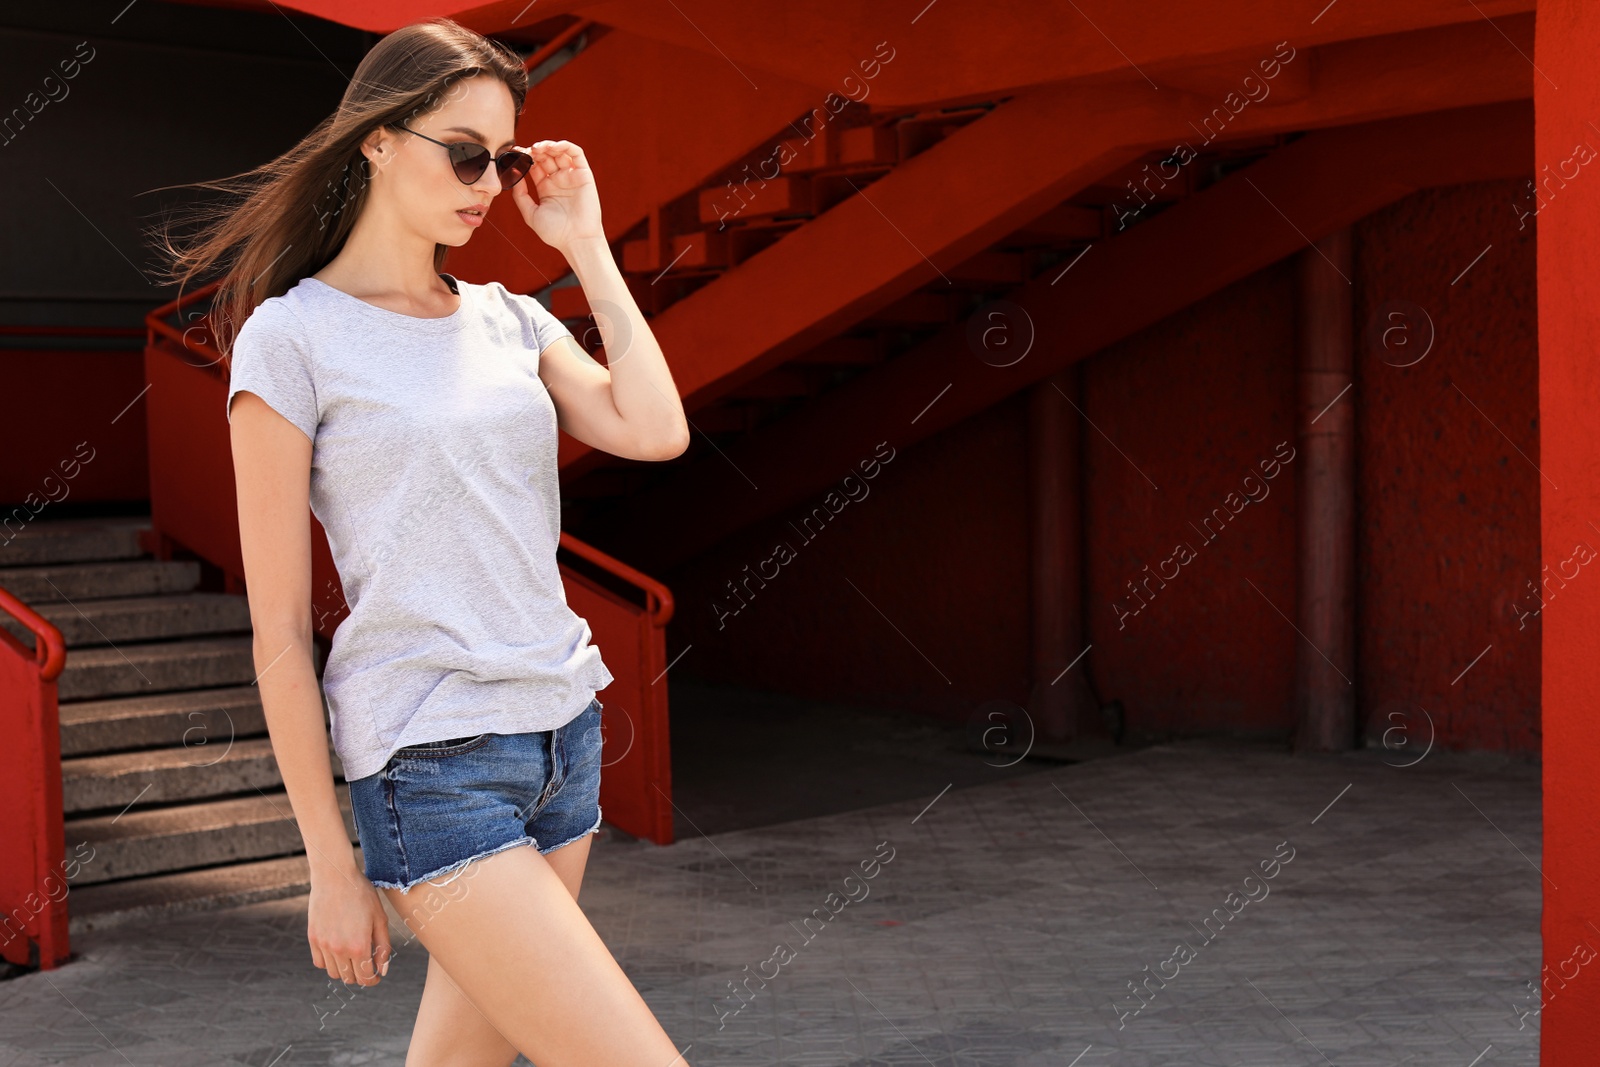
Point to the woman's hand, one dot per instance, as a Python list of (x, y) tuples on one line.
[(348, 929), (568, 209)]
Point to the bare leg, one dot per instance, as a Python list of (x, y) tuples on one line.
[(513, 938), (450, 1030)]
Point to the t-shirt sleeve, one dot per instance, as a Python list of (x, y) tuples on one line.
[(270, 360), (547, 329)]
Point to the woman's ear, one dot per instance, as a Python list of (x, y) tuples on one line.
[(378, 147)]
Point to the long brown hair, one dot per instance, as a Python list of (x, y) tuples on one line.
[(288, 218)]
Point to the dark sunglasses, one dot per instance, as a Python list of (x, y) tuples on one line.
[(471, 159)]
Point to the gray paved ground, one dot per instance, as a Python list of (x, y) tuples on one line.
[(1004, 930)]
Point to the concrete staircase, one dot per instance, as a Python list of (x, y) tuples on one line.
[(167, 770)]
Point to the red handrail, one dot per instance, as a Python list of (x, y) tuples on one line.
[(658, 598), (49, 650), (33, 879), (157, 326), (170, 307)]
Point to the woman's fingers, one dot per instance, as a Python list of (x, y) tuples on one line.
[(366, 972), (323, 958), (349, 934), (566, 148), (546, 163), (380, 938), (551, 156), (351, 966), (364, 968)]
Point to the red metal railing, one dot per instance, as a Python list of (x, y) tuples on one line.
[(192, 506), (636, 783), (33, 876), (34, 872)]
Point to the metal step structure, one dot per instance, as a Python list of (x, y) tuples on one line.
[(171, 797)]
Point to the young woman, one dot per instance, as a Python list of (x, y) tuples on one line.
[(416, 414)]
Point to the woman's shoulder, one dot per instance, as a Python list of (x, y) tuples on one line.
[(283, 309), (275, 322), (538, 321), (496, 294)]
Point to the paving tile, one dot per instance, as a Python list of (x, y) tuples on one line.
[(1005, 931)]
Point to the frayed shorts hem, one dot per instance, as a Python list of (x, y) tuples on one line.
[(456, 867), (462, 865)]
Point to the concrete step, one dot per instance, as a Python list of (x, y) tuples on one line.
[(155, 776), (193, 717), (96, 581), (147, 841), (162, 775), (100, 907), (71, 541), (169, 783), (156, 667), (85, 623)]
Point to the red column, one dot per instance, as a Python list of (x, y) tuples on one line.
[(1060, 701), (1325, 692), (1566, 96)]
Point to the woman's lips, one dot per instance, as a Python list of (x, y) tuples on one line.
[(469, 218)]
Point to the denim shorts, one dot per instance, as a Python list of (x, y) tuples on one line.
[(437, 806)]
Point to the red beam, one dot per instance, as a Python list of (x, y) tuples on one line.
[(965, 50), (952, 50)]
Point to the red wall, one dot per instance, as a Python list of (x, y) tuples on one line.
[(1448, 514), (74, 429), (1447, 520), (914, 595), (1196, 403)]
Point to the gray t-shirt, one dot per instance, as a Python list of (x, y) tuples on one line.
[(433, 471)]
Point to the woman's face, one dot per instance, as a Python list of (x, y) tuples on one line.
[(413, 180)]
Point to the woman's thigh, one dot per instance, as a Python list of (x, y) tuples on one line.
[(515, 943), (450, 1030)]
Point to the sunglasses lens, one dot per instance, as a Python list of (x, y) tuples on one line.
[(513, 165), (470, 160)]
